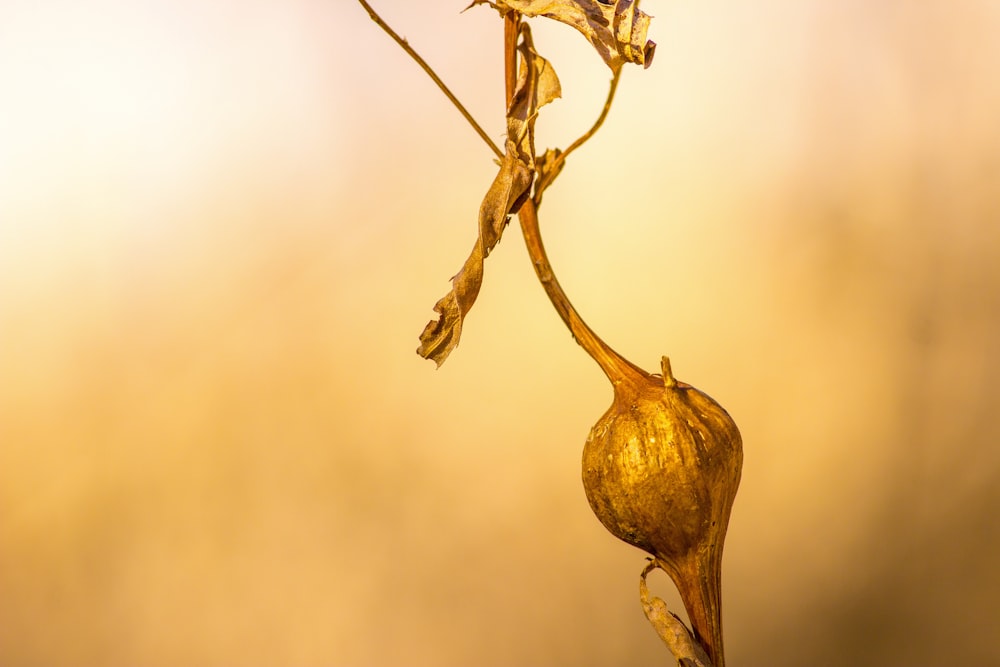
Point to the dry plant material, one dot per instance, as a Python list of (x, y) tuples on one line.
[(661, 467), (616, 29), (537, 85), (670, 627)]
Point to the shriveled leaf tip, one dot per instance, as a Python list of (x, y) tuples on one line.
[(537, 85), (671, 629), (615, 28)]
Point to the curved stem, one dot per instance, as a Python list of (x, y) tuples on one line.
[(600, 119), (550, 174), (615, 366)]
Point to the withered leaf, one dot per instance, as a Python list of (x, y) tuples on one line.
[(615, 27), (441, 336), (548, 165), (537, 85), (671, 629)]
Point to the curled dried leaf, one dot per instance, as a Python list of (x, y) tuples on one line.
[(548, 165), (671, 629), (537, 85), (441, 336), (616, 28)]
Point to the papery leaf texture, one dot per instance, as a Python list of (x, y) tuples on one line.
[(616, 28), (537, 85), (548, 166), (671, 629)]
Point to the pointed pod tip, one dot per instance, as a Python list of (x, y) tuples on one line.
[(668, 376)]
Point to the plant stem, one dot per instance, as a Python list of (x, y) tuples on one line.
[(511, 27), (430, 72), (616, 367), (550, 174), (600, 119)]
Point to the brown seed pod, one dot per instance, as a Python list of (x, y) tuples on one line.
[(661, 469)]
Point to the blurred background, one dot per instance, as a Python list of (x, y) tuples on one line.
[(223, 226)]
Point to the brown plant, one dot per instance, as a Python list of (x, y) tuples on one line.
[(662, 466)]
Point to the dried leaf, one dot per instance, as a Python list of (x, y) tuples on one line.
[(614, 27), (537, 85), (671, 629), (548, 165), (441, 336)]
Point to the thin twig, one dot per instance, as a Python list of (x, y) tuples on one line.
[(600, 119), (430, 72), (556, 167)]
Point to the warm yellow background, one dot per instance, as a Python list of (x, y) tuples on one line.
[(224, 224)]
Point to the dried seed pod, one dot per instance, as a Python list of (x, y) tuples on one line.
[(661, 469)]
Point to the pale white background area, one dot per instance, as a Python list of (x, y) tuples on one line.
[(224, 224)]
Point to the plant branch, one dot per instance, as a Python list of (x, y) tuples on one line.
[(600, 119), (430, 72), (553, 170), (511, 28), (556, 167), (616, 367)]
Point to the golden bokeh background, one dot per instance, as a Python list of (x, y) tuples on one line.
[(224, 224)]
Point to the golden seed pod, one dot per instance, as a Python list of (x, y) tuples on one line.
[(661, 469)]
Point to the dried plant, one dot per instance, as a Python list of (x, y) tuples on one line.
[(661, 467)]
